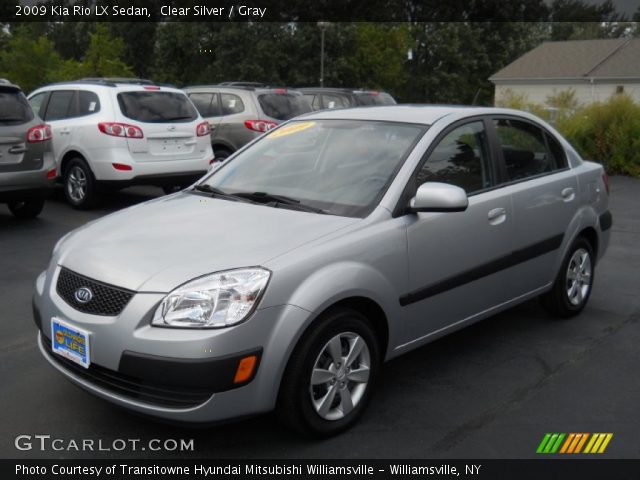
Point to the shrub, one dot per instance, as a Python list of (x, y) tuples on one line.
[(607, 132)]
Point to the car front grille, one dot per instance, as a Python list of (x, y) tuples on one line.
[(106, 300), (130, 387)]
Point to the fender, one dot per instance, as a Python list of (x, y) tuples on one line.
[(336, 282)]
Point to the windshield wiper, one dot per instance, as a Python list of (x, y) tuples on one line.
[(264, 197), (216, 192)]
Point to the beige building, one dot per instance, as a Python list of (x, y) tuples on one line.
[(594, 69)]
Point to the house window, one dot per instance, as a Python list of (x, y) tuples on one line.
[(620, 89)]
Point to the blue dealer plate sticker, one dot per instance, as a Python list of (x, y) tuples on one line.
[(70, 342)]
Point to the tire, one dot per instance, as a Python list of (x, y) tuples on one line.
[(169, 189), (28, 208), (347, 386), (80, 188), (572, 287), (221, 154)]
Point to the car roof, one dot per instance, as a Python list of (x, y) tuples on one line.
[(6, 84), (259, 88), (419, 114), (349, 91)]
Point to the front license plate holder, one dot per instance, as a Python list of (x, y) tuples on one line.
[(70, 342)]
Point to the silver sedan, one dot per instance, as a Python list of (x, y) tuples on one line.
[(286, 277)]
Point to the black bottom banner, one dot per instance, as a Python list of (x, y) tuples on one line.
[(547, 469)]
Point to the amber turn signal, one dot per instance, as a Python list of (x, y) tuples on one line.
[(245, 369)]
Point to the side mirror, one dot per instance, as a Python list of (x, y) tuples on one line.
[(439, 197)]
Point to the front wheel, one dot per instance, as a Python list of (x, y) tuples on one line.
[(572, 287), (330, 375)]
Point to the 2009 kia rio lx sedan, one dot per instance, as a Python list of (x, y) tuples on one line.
[(341, 239)]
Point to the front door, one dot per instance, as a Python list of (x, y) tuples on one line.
[(456, 259)]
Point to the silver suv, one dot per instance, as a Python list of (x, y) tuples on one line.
[(342, 239), (27, 167), (238, 112)]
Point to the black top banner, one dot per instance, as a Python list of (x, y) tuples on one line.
[(304, 10)]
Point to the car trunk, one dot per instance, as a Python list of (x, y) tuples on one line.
[(168, 123), (16, 118)]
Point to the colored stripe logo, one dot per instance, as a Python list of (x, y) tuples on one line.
[(574, 443)]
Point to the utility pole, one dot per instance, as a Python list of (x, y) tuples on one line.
[(323, 27)]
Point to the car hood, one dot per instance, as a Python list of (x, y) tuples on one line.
[(161, 244)]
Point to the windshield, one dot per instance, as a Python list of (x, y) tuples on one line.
[(342, 167), (14, 108), (374, 98), (283, 106), (157, 107)]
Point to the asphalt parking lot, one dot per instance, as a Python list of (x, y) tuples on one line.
[(489, 391)]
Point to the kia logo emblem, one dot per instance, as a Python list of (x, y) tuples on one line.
[(83, 295)]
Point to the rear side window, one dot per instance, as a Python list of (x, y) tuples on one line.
[(524, 149), (231, 104), (157, 107), (283, 106), (461, 158), (334, 101), (14, 108), (60, 105), (88, 103), (206, 103), (314, 100), (38, 102), (374, 98)]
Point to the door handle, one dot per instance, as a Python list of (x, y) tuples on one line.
[(497, 216), (568, 194), (18, 149)]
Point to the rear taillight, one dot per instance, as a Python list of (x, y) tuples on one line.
[(259, 125), (39, 133), (605, 180), (120, 130), (51, 173), (203, 129)]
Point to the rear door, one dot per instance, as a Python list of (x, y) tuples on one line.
[(456, 259), (208, 104), (59, 113), (168, 121), (16, 117), (235, 108), (544, 194)]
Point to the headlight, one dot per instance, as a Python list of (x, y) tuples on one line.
[(218, 300)]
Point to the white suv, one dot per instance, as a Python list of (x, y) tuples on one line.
[(120, 132)]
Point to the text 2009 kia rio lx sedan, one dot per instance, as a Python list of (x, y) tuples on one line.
[(341, 239)]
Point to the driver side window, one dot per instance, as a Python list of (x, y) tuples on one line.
[(461, 158)]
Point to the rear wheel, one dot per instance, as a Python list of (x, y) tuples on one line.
[(80, 184), (572, 287), (330, 375), (169, 189), (28, 208), (221, 154)]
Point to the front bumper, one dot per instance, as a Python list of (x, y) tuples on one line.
[(177, 374)]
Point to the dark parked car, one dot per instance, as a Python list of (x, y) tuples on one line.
[(328, 98), (27, 167), (238, 112)]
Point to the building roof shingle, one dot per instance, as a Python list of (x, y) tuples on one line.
[(610, 58)]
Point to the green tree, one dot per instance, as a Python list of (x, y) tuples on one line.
[(29, 61), (103, 57)]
